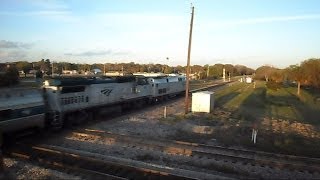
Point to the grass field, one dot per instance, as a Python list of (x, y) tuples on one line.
[(286, 123), (252, 104)]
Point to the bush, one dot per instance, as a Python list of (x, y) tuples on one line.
[(273, 85), (10, 77)]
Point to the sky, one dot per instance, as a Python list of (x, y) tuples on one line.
[(251, 33)]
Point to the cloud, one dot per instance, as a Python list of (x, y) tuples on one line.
[(47, 13), (41, 8), (6, 56), (12, 45), (45, 4), (98, 53), (140, 20), (59, 15), (261, 20)]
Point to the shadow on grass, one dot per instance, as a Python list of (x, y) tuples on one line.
[(252, 109), (308, 113), (288, 143), (222, 100), (281, 107)]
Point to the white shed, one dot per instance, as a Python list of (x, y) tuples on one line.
[(203, 101), (248, 80)]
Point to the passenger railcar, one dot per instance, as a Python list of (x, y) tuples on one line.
[(166, 86), (21, 108)]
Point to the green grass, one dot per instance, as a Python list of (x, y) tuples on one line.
[(244, 101), (250, 106)]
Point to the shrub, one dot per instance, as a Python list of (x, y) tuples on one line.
[(9, 77), (273, 85)]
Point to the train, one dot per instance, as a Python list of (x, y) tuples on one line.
[(63, 101)]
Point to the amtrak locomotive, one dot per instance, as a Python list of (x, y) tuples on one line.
[(74, 100)]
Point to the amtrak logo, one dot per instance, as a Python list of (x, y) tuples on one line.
[(106, 91)]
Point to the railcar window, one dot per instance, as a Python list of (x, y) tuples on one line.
[(26, 112), (72, 89), (141, 81), (62, 101), (19, 113), (161, 91), (5, 114)]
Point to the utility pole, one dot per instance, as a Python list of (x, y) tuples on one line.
[(224, 74), (188, 64), (52, 68), (104, 69)]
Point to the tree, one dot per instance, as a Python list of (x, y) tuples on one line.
[(264, 72), (240, 70), (39, 74), (44, 65), (168, 70), (311, 70), (9, 77), (24, 66), (216, 70), (277, 75), (295, 73)]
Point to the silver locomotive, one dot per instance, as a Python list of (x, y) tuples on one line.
[(75, 100)]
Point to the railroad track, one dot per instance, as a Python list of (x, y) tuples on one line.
[(90, 165), (210, 87), (97, 166), (219, 153)]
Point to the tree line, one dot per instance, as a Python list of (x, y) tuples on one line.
[(306, 73), (47, 67), (213, 71)]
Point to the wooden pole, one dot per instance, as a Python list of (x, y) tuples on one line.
[(188, 65), (52, 68)]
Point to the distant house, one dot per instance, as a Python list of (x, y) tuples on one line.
[(69, 72), (116, 73), (96, 71), (149, 74), (33, 71)]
